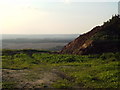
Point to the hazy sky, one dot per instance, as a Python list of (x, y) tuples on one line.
[(61, 17)]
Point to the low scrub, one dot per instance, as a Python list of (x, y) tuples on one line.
[(86, 71)]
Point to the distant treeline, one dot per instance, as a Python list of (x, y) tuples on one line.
[(25, 40), (39, 36)]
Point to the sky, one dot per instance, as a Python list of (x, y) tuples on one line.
[(53, 16)]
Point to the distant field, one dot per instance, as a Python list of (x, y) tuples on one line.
[(31, 45), (50, 42)]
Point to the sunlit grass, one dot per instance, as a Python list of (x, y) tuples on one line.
[(86, 71)]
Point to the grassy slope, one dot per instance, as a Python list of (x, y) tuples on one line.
[(70, 71)]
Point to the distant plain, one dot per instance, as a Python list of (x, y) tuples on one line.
[(42, 41)]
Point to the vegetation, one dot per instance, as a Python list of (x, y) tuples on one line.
[(70, 71), (110, 30)]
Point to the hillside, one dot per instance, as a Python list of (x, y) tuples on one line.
[(100, 39)]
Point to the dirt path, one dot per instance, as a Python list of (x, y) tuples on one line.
[(32, 79)]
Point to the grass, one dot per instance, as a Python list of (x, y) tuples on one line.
[(78, 71), (8, 85)]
